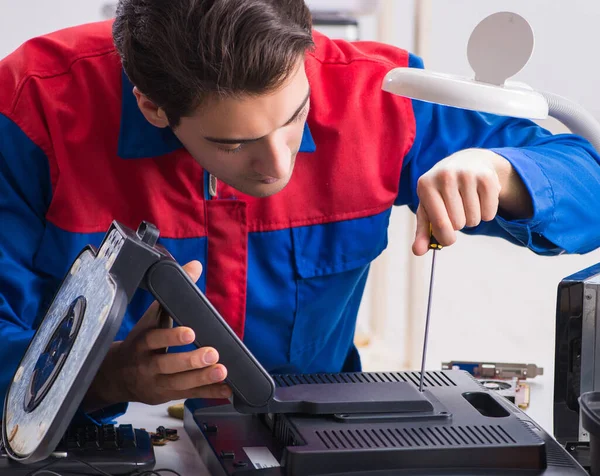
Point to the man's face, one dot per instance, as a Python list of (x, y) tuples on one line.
[(250, 143)]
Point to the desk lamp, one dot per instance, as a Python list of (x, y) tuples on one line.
[(499, 47)]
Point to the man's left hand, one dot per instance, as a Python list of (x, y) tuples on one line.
[(464, 189)]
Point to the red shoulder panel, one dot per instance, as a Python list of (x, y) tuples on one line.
[(65, 93)]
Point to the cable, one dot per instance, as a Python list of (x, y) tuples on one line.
[(163, 470), (155, 472), (95, 468), (43, 471)]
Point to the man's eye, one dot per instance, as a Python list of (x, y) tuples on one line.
[(300, 117), (232, 151)]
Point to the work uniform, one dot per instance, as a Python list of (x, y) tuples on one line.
[(288, 271)]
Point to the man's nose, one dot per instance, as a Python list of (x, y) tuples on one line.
[(275, 159)]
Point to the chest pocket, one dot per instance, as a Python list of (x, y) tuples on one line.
[(331, 266)]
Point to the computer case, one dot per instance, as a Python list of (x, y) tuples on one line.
[(470, 431), (576, 351)]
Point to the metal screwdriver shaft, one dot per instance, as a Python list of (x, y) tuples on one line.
[(434, 245)]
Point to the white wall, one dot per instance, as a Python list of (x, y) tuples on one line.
[(492, 300), (22, 20)]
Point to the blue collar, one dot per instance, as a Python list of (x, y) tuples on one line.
[(139, 139)]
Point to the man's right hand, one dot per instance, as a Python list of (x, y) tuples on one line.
[(138, 370)]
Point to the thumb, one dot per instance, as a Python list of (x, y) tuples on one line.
[(193, 270), (421, 243)]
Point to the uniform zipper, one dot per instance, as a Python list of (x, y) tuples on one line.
[(210, 186)]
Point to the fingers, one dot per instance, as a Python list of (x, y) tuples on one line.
[(436, 210), (193, 378), (218, 390), (421, 243), (184, 361), (150, 318), (467, 185), (489, 197), (157, 339), (452, 198), (450, 189)]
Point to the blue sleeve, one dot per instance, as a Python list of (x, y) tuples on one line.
[(25, 293), (561, 173)]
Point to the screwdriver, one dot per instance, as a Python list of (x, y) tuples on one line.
[(433, 245)]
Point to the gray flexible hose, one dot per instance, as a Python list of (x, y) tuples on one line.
[(576, 118)]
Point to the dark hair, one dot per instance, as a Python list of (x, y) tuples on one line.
[(179, 52)]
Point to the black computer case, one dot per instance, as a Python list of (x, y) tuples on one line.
[(576, 351)]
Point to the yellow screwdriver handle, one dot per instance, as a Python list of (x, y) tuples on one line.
[(433, 243)]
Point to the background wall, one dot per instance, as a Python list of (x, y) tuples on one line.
[(22, 20)]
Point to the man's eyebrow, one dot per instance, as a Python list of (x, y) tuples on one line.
[(246, 141)]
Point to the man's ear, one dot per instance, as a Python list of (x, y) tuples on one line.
[(153, 114)]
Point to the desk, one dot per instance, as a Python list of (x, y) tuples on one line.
[(181, 456), (177, 455)]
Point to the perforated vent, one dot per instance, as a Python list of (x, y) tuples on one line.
[(431, 379), (532, 427), (284, 433), (440, 436), (556, 456), (554, 453)]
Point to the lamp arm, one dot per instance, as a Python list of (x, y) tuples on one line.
[(576, 118)]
